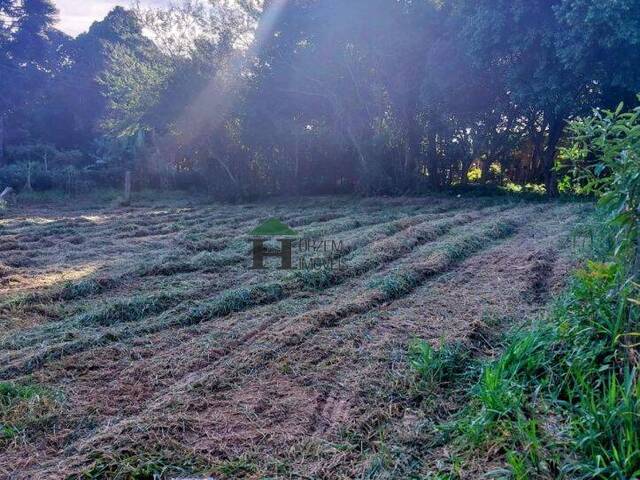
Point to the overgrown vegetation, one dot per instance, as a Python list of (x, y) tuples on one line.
[(563, 399)]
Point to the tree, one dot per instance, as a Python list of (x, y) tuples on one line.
[(600, 41), (173, 98), (89, 56), (29, 47)]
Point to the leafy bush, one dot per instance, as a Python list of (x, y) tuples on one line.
[(605, 158), (474, 174)]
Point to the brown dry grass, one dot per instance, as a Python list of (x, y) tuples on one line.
[(310, 384)]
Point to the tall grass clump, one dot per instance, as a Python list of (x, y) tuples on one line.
[(563, 399), (436, 367)]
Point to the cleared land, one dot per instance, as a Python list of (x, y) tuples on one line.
[(137, 340)]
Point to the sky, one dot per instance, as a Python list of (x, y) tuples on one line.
[(76, 16)]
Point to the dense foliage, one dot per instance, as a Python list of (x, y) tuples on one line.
[(251, 97), (563, 399), (605, 156)]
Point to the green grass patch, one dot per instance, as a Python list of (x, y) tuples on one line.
[(25, 410), (437, 368), (141, 465), (563, 398)]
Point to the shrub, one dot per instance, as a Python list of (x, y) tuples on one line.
[(605, 159)]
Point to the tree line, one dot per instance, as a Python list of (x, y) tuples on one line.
[(245, 98)]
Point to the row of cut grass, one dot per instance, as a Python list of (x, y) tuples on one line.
[(486, 233), (79, 289), (437, 259), (137, 307), (323, 224), (248, 297), (362, 261)]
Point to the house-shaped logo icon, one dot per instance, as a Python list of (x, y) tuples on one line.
[(269, 229), (273, 228)]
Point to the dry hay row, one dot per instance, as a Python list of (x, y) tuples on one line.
[(168, 351), (434, 260), (150, 328), (248, 297), (138, 307), (92, 243), (439, 261), (135, 308), (94, 225), (129, 219), (107, 250), (318, 210), (222, 212), (426, 262), (382, 408), (370, 212), (83, 288), (132, 218), (190, 417), (204, 261), (376, 253), (236, 251), (18, 267)]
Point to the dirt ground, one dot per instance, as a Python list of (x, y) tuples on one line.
[(154, 348)]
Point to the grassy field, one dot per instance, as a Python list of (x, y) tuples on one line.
[(138, 341)]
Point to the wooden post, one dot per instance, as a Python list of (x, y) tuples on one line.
[(27, 185), (127, 188)]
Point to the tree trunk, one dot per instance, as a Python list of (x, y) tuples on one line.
[(486, 170), (361, 157), (432, 160), (127, 188), (555, 133), (412, 140), (411, 155)]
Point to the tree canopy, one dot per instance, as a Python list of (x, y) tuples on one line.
[(248, 97)]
